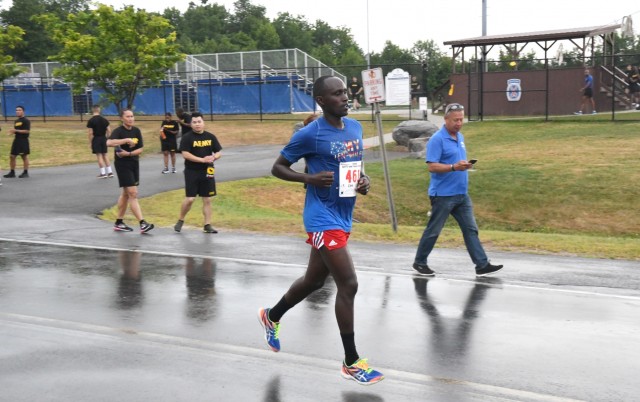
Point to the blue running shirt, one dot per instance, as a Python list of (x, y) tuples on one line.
[(324, 147)]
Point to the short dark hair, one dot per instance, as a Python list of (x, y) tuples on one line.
[(197, 114), (126, 109), (21, 107), (319, 85)]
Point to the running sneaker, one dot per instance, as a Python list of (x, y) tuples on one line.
[(271, 329), (488, 269), (173, 170), (23, 175), (10, 174), (101, 176), (578, 113), (145, 226), (209, 229), (165, 171), (110, 175), (178, 226), (361, 373), (122, 227)]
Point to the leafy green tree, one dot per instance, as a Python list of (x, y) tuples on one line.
[(435, 64), (37, 44), (10, 37), (294, 32), (118, 51)]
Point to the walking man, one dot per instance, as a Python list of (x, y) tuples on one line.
[(332, 147), (200, 149), (448, 193), (169, 129), (20, 146), (587, 94), (98, 130), (127, 140)]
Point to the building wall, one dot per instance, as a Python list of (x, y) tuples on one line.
[(563, 88)]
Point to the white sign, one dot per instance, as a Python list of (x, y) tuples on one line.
[(398, 88), (514, 91), (423, 102), (373, 84), (349, 176)]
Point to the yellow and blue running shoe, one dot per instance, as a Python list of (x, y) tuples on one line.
[(271, 329), (361, 373)]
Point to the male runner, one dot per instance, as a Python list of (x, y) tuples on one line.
[(332, 147), (20, 131), (169, 129), (98, 130), (200, 150)]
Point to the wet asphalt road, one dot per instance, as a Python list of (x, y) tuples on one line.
[(89, 314)]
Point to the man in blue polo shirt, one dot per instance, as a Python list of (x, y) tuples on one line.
[(448, 192)]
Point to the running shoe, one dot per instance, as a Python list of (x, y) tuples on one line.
[(24, 175), (165, 171), (110, 175), (145, 227), (361, 373), (10, 174), (122, 227), (209, 229), (101, 176), (488, 269), (271, 329), (173, 170), (178, 226)]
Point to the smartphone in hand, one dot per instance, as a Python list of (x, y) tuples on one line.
[(473, 161)]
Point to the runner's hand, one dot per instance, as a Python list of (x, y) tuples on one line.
[(364, 184), (322, 179)]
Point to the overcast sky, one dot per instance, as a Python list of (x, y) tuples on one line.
[(403, 22)]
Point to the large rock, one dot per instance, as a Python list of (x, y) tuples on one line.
[(418, 147), (410, 129)]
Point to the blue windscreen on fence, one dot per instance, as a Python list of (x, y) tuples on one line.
[(38, 101), (213, 97)]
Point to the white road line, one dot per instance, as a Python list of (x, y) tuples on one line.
[(398, 377), (363, 268)]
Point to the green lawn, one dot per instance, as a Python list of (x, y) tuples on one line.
[(557, 187)]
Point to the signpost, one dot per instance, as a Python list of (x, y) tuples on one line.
[(373, 84)]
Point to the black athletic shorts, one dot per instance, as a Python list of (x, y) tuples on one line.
[(20, 145), (588, 93), (169, 144), (128, 171), (99, 145), (199, 182)]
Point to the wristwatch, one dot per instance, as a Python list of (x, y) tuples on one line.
[(453, 169)]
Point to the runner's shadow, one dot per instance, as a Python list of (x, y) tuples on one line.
[(272, 394), (201, 292), (130, 284), (352, 396)]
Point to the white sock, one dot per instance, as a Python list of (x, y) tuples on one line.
[(109, 169), (102, 171)]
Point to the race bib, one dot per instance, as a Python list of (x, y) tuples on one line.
[(349, 175)]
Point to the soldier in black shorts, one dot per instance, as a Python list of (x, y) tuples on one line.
[(20, 131), (200, 149), (98, 130), (169, 129), (184, 119), (127, 141)]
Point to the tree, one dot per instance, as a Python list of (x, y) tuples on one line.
[(116, 51), (294, 32), (37, 45), (437, 65), (10, 37)]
